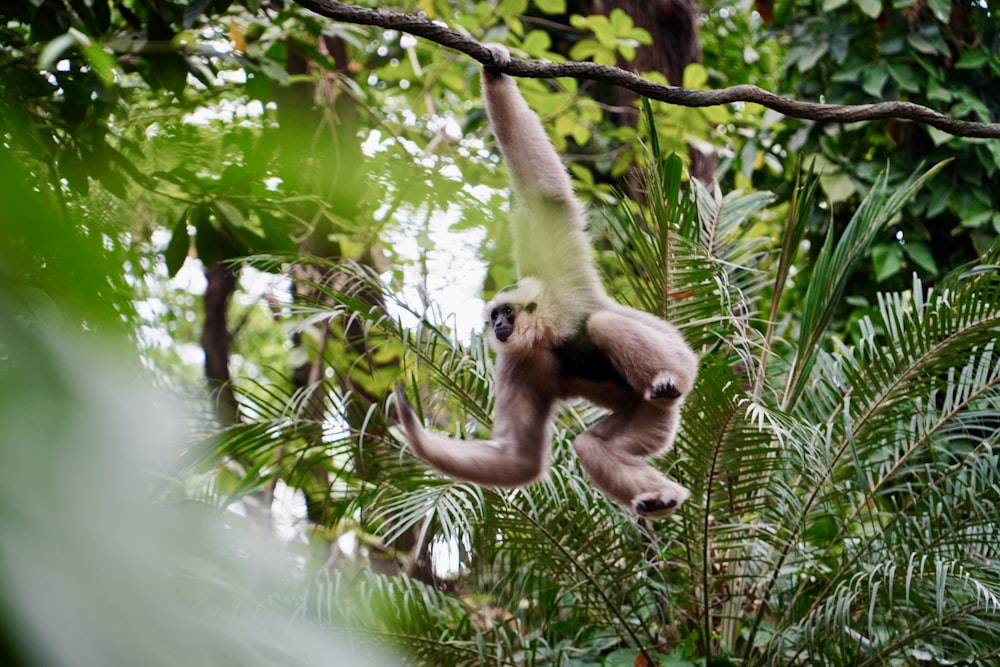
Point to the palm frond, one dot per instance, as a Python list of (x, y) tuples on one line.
[(427, 624), (844, 500), (834, 265), (906, 470), (687, 257)]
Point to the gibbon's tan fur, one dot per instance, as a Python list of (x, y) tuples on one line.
[(558, 335)]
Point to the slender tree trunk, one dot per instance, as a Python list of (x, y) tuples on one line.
[(673, 24), (215, 339)]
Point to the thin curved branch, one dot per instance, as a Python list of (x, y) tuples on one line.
[(838, 113)]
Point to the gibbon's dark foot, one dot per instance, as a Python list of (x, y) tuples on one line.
[(664, 390), (658, 504), (647, 507)]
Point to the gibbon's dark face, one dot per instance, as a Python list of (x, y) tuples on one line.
[(502, 319), (511, 303)]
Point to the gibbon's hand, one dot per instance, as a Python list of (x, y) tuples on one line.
[(501, 59)]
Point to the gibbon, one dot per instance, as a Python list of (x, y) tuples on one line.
[(558, 335)]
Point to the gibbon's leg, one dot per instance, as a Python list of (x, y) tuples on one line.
[(515, 455), (651, 354), (613, 452)]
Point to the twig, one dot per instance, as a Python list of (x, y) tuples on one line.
[(837, 113)]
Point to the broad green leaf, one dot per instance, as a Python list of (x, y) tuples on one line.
[(870, 7), (512, 7), (695, 76), (938, 91), (939, 137), (811, 56), (640, 35), (992, 148), (620, 21), (905, 76), (588, 49), (551, 6), (941, 9), (838, 186), (206, 239), (892, 44), (887, 258), (604, 31), (102, 62), (874, 78), (228, 212), (54, 50), (179, 246), (920, 43), (851, 71), (921, 255), (972, 59), (537, 42), (977, 219)]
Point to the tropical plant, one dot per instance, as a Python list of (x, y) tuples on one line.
[(844, 505)]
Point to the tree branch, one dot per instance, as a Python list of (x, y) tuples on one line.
[(836, 113)]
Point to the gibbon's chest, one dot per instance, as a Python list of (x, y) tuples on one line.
[(586, 371)]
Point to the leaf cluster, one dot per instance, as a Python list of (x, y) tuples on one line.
[(940, 54)]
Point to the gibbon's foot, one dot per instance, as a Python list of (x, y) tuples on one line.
[(658, 504), (663, 390), (501, 58), (663, 387)]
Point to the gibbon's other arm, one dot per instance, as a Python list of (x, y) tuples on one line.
[(517, 452)]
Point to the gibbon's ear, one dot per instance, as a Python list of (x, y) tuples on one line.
[(531, 307)]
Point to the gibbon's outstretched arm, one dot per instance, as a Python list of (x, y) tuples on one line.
[(517, 452), (536, 170)]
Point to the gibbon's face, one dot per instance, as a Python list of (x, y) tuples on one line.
[(513, 305), (502, 320), (503, 316)]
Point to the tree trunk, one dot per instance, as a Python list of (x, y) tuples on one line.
[(673, 24), (215, 340)]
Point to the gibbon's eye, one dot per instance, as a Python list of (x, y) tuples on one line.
[(508, 310)]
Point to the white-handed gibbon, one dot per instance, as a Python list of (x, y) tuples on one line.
[(558, 335)]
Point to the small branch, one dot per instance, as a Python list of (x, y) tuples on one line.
[(836, 113)]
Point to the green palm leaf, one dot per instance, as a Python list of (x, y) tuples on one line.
[(835, 263)]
